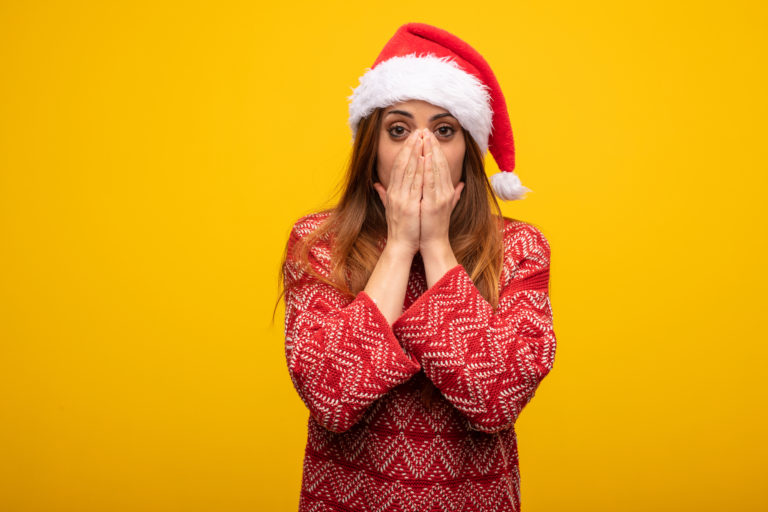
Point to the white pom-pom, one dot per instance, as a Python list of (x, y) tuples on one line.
[(507, 186)]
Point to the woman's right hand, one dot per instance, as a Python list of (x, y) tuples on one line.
[(402, 199)]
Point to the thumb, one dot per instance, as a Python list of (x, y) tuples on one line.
[(382, 192), (457, 194)]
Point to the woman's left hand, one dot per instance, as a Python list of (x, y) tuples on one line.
[(438, 199)]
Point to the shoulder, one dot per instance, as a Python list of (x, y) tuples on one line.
[(521, 236), (319, 253), (526, 248), (308, 223)]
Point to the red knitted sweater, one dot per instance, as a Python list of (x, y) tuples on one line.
[(372, 445)]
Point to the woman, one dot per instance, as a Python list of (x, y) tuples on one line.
[(418, 321)]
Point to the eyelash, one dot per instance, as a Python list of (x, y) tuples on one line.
[(439, 127)]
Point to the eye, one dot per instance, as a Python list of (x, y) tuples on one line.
[(397, 131), (444, 127)]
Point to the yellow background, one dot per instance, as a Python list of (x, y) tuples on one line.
[(154, 156)]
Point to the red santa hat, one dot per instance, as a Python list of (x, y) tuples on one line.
[(427, 63)]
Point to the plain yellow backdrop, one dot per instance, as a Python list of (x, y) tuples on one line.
[(154, 156)]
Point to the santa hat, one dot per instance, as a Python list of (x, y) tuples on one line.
[(422, 62)]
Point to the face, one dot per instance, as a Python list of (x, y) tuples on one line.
[(401, 119)]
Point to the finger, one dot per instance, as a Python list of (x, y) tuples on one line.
[(429, 177), (418, 180), (401, 161), (445, 174), (438, 169), (410, 169)]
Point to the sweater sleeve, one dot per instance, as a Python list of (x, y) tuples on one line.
[(342, 354), (487, 363)]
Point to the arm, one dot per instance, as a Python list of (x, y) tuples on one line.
[(389, 280), (487, 363), (342, 355)]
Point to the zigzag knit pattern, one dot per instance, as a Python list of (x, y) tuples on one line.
[(372, 445)]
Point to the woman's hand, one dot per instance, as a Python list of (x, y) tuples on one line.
[(440, 197), (402, 199)]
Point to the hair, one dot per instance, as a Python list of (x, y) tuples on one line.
[(358, 225)]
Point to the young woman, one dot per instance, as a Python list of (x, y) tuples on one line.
[(418, 320)]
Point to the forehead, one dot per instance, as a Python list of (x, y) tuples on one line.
[(416, 107)]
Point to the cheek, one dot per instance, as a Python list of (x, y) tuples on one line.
[(456, 161), (384, 162)]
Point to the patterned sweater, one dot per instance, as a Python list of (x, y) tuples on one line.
[(372, 445)]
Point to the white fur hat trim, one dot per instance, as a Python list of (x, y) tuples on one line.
[(437, 80)]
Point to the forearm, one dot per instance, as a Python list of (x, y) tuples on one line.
[(389, 280), (438, 259)]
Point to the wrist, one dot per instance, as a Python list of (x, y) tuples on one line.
[(397, 251), (436, 250)]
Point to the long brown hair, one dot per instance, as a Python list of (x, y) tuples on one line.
[(358, 225)]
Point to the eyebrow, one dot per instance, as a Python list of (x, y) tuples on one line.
[(408, 114)]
